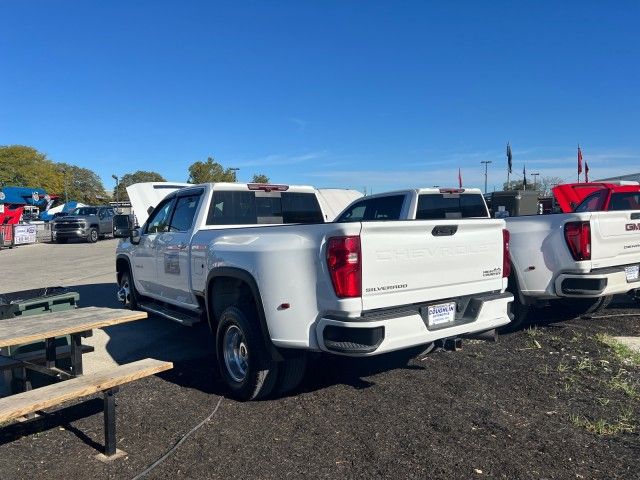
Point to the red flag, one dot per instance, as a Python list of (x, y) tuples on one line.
[(459, 178), (579, 161), (586, 172)]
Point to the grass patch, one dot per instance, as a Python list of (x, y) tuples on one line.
[(603, 428), (619, 383), (621, 351)]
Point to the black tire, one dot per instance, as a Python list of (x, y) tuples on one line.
[(571, 308), (131, 298), (290, 374), (61, 240), (93, 235), (521, 312), (245, 365)]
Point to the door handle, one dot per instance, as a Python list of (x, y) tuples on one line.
[(444, 230)]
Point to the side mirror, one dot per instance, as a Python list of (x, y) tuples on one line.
[(134, 236), (121, 226)]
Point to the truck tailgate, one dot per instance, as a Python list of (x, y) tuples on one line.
[(406, 262), (615, 238)]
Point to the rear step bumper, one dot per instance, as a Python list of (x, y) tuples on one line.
[(372, 335), (597, 283)]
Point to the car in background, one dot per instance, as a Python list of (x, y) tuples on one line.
[(83, 223)]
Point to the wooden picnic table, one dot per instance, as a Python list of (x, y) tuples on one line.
[(75, 323)]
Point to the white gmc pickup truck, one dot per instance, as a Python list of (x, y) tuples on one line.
[(272, 292), (574, 261)]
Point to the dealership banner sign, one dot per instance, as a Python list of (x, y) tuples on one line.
[(23, 234)]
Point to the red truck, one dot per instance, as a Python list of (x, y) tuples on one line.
[(597, 196)]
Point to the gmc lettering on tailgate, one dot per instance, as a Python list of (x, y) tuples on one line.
[(629, 227)]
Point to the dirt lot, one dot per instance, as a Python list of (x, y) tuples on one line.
[(552, 402)]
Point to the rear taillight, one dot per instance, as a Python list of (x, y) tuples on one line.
[(344, 262), (578, 238), (506, 258)]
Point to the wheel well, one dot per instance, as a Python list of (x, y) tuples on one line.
[(227, 291), (231, 286), (122, 266), (93, 225)]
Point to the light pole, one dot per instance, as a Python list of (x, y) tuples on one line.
[(486, 166), (66, 197), (234, 170), (535, 178), (115, 177)]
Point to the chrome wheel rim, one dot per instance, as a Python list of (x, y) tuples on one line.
[(124, 295), (236, 353), (94, 235)]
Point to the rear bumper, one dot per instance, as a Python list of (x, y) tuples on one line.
[(404, 328), (597, 283)]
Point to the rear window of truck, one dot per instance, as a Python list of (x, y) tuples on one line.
[(440, 206), (625, 201), (254, 208)]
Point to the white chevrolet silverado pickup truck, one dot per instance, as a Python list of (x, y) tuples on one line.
[(574, 262), (273, 292)]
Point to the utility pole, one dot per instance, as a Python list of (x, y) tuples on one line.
[(115, 177), (486, 166), (234, 170), (535, 178)]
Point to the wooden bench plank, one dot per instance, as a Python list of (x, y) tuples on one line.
[(19, 330), (37, 356), (24, 403)]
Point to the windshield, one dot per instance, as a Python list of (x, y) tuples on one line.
[(85, 211)]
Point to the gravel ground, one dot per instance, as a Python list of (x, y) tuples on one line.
[(550, 402)]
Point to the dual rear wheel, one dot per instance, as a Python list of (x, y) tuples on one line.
[(245, 364)]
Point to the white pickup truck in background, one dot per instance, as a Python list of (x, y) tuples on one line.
[(575, 261), (271, 292)]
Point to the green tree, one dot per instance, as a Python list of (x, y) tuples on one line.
[(25, 166), (210, 171), (140, 176), (260, 178), (81, 184)]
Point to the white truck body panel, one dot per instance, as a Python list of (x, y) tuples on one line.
[(542, 260), (288, 264)]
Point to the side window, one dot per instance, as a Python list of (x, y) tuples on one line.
[(385, 208), (184, 213), (592, 203), (374, 209), (102, 213), (158, 220), (232, 208), (355, 212)]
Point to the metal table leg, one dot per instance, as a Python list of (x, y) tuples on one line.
[(110, 421), (76, 354)]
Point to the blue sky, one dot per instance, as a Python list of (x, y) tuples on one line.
[(329, 93)]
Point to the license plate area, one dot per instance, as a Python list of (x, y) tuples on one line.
[(441, 315), (632, 272)]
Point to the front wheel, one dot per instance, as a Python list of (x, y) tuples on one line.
[(127, 292), (245, 366), (93, 235)]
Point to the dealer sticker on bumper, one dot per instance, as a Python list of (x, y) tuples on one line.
[(441, 314), (632, 272)]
